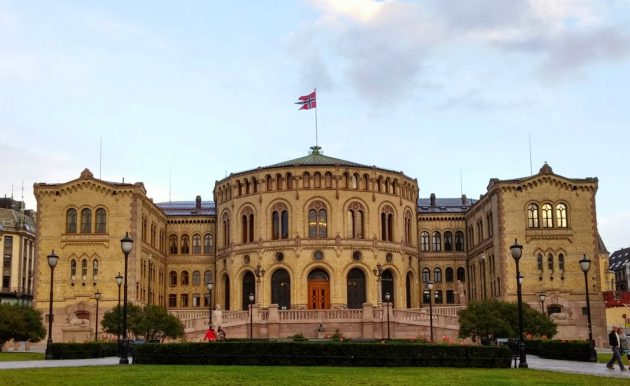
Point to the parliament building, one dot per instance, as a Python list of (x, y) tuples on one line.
[(317, 244)]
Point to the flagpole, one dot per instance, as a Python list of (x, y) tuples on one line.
[(316, 142)]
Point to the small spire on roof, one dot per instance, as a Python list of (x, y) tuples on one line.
[(315, 149)]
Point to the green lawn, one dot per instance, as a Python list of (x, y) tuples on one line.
[(604, 358), (20, 356), (246, 375)]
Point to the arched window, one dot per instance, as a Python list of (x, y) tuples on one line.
[(408, 227), (86, 221), (269, 183), (95, 269), (426, 275), (84, 269), (550, 262), (248, 288), (561, 262), (424, 241), (539, 263), (328, 180), (185, 245), (317, 220), (461, 274), (450, 297), (387, 286), (184, 277), (172, 278), (281, 289), (448, 241), (173, 244), (196, 281), (561, 216), (306, 180), (226, 229), (547, 216), (73, 269), (437, 241), (459, 241), (247, 224), (196, 300), (438, 297), (408, 284), (279, 222), (437, 275), (449, 274), (279, 181), (532, 216), (356, 288), (387, 224), (356, 221), (207, 244), (71, 221), (207, 277), (317, 180), (196, 244), (226, 293)]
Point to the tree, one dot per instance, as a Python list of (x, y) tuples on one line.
[(20, 323), (500, 319), (151, 322)]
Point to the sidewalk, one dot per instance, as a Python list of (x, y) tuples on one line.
[(109, 361), (588, 368)]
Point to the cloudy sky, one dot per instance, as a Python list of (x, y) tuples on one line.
[(196, 90)]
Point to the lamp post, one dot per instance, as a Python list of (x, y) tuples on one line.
[(119, 280), (210, 285), (585, 265), (542, 297), (251, 315), (517, 250), (430, 287), (52, 262), (149, 258), (387, 296), (97, 296), (126, 244)]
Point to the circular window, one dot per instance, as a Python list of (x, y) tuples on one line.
[(356, 256), (389, 257), (246, 259), (318, 255), (279, 257)]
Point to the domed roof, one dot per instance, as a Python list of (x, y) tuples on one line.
[(316, 158)]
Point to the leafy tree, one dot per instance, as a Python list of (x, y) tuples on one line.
[(500, 319), (151, 322), (20, 323)]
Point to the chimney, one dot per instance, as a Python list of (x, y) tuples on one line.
[(198, 202), (432, 199)]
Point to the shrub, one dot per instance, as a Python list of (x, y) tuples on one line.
[(572, 350), (84, 350)]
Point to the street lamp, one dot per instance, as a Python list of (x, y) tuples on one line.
[(52, 262), (542, 297), (149, 284), (585, 265), (430, 287), (387, 296), (210, 285), (97, 296), (119, 280), (126, 244), (517, 250), (251, 315)]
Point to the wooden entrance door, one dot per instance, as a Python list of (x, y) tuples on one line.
[(318, 294)]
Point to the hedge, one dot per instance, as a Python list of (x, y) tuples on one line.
[(84, 350), (572, 350), (322, 354)]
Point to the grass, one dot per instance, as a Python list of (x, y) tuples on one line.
[(257, 375), (605, 357), (21, 356)]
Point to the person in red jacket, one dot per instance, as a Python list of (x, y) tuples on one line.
[(210, 335)]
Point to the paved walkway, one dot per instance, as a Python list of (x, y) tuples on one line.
[(533, 361)]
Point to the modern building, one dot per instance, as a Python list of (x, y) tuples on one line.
[(316, 244)]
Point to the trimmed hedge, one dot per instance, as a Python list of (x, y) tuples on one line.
[(84, 350), (322, 354), (573, 350)]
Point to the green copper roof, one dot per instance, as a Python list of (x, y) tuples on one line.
[(316, 158)]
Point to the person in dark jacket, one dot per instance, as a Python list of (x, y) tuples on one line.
[(615, 343)]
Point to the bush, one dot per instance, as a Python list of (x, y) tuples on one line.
[(323, 354), (572, 350), (83, 350)]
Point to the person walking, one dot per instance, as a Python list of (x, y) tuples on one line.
[(210, 335), (221, 334), (615, 343), (624, 345)]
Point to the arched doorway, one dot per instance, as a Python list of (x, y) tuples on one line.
[(226, 306), (249, 287), (356, 288), (387, 285), (281, 289), (318, 290), (408, 291)]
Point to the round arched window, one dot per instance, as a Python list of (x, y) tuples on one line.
[(279, 257), (318, 255), (356, 256)]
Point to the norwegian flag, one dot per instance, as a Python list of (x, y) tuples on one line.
[(308, 101)]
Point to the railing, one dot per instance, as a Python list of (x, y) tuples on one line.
[(235, 317), (320, 315)]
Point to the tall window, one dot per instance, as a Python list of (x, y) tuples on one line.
[(561, 262), (317, 220), (207, 244), (247, 225), (71, 221), (196, 244), (280, 222), (172, 276), (185, 245), (550, 262), (438, 297), (387, 224), (73, 269), (539, 262), (437, 241), (532, 216), (461, 274), (356, 221), (207, 277), (459, 241), (86, 221), (561, 216), (196, 280), (408, 219), (226, 230), (95, 269), (424, 241), (173, 244), (84, 269), (448, 241), (426, 275), (184, 277), (437, 275), (449, 274), (547, 216)]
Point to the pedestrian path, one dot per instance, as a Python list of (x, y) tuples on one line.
[(588, 368), (60, 363)]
